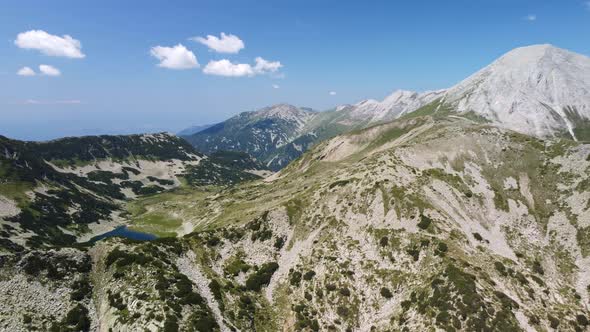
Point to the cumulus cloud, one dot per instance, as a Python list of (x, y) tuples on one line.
[(226, 44), (227, 68), (531, 17), (263, 66), (49, 44), (49, 70), (332, 93), (177, 57), (275, 86), (26, 71)]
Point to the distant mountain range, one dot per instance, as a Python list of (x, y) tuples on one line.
[(539, 90), (278, 134), (193, 130)]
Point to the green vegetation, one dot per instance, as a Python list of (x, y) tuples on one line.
[(295, 278), (81, 289), (121, 148), (581, 125), (207, 172), (437, 109), (475, 117), (386, 293), (500, 268), (54, 266), (279, 243), (253, 133), (201, 322), (583, 237), (441, 249), (537, 268), (174, 294), (261, 278), (124, 258), (500, 201), (425, 222), (156, 223), (76, 320), (391, 134), (235, 265), (106, 176), (294, 210), (457, 295), (339, 183), (309, 275), (17, 192), (162, 182), (259, 227)]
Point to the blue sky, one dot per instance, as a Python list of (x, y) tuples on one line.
[(357, 49)]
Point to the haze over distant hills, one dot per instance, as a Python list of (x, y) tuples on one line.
[(193, 130)]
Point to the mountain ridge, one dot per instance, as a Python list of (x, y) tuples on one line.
[(62, 190), (258, 133), (300, 128), (431, 221), (526, 90)]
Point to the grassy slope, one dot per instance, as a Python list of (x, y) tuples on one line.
[(348, 188)]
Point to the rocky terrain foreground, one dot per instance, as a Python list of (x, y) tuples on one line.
[(431, 222)]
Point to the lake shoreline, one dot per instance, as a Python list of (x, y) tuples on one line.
[(124, 232)]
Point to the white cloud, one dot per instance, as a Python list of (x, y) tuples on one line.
[(227, 68), (48, 44), (50, 102), (263, 66), (69, 102), (26, 71), (226, 44), (531, 17), (46, 70), (49, 70), (332, 93), (275, 86), (177, 57)]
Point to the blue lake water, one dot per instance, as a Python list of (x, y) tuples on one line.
[(123, 231)]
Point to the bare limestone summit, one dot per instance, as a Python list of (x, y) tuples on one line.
[(539, 90)]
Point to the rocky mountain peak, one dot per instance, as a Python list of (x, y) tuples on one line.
[(286, 112), (282, 110), (396, 104), (398, 95), (539, 90), (542, 54)]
